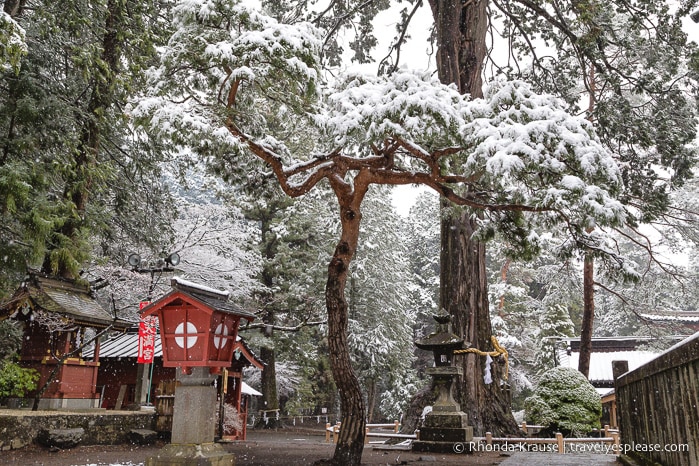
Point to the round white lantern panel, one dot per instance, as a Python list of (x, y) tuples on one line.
[(191, 339), (221, 330)]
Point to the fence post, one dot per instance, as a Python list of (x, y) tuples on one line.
[(559, 442), (397, 428), (524, 428), (327, 432), (336, 429), (488, 438), (366, 436), (617, 442)]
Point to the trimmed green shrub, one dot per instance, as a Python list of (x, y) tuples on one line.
[(564, 401)]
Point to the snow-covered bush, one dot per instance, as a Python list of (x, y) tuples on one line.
[(564, 401), (231, 418)]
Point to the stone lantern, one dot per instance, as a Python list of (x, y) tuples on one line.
[(446, 425), (198, 330)]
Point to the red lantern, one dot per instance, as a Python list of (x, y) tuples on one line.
[(198, 326)]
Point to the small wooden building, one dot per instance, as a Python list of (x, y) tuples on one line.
[(237, 393), (59, 316)]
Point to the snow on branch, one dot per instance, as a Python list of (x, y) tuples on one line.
[(226, 91)]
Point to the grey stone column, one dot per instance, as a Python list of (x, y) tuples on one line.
[(193, 425), (194, 412)]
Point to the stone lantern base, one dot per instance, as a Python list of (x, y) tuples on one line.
[(204, 454), (193, 425), (445, 429), (445, 433)]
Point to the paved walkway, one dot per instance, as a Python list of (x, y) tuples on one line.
[(555, 459)]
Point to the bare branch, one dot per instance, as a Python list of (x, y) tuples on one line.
[(283, 328), (396, 46)]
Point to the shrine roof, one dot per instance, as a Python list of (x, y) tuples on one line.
[(64, 297), (210, 297)]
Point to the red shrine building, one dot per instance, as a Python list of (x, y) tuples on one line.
[(58, 316)]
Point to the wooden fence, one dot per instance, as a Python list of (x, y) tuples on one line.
[(608, 443), (658, 407), (334, 431)]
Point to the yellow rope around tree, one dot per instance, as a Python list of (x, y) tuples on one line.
[(499, 350)]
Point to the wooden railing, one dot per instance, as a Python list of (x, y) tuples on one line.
[(334, 430), (609, 438), (657, 407), (610, 442)]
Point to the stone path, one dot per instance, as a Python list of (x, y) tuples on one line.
[(555, 459)]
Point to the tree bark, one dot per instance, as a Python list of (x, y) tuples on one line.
[(503, 279), (461, 47), (13, 7), (461, 32), (78, 187), (268, 385), (464, 295), (588, 316), (370, 400), (588, 319), (350, 443)]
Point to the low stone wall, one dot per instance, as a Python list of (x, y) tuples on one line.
[(19, 428)]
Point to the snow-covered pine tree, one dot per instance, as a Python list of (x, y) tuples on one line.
[(381, 316), (71, 169), (406, 128)]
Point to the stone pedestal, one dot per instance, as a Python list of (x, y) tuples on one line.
[(204, 454), (446, 425), (193, 425)]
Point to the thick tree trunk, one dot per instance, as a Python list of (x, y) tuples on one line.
[(464, 295), (370, 400), (13, 7), (588, 316), (350, 444), (461, 32), (268, 385), (588, 319), (413, 416), (268, 378)]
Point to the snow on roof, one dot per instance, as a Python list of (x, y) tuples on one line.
[(669, 316), (126, 346), (123, 346), (677, 345), (248, 390), (62, 297), (601, 362), (198, 287)]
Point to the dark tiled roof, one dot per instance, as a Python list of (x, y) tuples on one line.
[(214, 299), (63, 297)]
